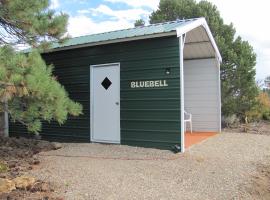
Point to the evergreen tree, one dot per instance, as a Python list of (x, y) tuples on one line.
[(139, 22), (29, 92), (238, 84)]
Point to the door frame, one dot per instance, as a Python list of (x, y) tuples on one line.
[(92, 67)]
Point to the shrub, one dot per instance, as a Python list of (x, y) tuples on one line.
[(262, 108), (230, 121)]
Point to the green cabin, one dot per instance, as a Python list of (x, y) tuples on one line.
[(136, 85)]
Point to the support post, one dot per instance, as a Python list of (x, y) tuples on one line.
[(182, 101)]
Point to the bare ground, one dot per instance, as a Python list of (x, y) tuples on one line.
[(17, 158), (226, 166)]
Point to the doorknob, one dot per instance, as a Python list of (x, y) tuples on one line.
[(117, 103)]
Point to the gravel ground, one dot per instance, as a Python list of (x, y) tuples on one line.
[(218, 168)]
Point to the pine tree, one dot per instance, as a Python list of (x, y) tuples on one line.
[(238, 83), (139, 22), (29, 92)]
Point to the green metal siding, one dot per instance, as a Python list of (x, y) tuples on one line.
[(150, 117)]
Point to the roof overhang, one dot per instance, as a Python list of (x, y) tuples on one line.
[(195, 24)]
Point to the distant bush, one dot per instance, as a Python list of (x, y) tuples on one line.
[(262, 109), (259, 111), (230, 121)]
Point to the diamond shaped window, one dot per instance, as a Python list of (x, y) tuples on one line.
[(106, 83)]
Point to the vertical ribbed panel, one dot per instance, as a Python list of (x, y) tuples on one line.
[(150, 117)]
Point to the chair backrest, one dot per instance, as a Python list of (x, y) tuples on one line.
[(187, 115)]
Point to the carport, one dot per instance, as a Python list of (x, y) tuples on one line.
[(201, 74)]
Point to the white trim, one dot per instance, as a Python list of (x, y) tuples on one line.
[(111, 41), (194, 24), (182, 101), (105, 141), (219, 95), (92, 104)]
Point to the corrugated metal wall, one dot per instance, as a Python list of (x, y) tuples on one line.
[(150, 117), (202, 94)]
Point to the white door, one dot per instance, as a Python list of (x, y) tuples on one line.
[(105, 103)]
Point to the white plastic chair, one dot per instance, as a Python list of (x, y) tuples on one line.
[(188, 119)]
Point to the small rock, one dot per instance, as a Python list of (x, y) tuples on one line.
[(40, 146), (45, 187), (14, 173), (6, 185), (3, 176), (5, 148), (12, 163), (9, 148), (56, 145), (35, 187), (39, 187), (35, 161), (35, 151), (59, 198), (24, 182), (17, 169), (20, 155)]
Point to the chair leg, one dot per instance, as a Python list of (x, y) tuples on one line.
[(190, 126)]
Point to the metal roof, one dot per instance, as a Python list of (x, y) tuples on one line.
[(152, 29), (196, 29)]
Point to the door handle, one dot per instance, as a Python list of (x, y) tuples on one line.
[(117, 103)]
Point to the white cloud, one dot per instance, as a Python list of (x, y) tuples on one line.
[(129, 14), (83, 25), (251, 21), (84, 11), (153, 4), (54, 4)]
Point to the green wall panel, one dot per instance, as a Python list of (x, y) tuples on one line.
[(150, 117)]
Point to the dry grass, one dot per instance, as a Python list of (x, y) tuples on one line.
[(3, 167)]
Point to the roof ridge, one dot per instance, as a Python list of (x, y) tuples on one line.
[(156, 24)]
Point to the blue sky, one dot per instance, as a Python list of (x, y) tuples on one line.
[(95, 16)]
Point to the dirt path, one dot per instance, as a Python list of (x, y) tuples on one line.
[(223, 167)]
